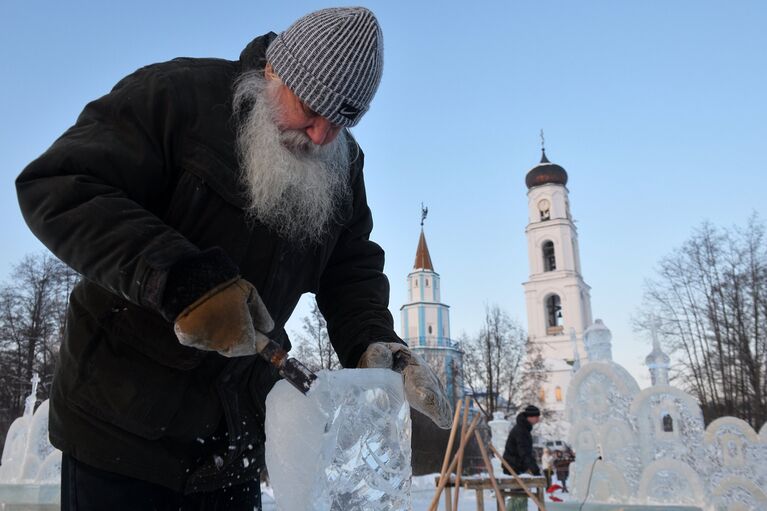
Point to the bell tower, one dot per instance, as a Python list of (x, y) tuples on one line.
[(426, 321), (557, 298)]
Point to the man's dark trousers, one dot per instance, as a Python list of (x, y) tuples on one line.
[(84, 488)]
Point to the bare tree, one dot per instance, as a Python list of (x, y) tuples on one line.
[(32, 318), (314, 348), (496, 364), (710, 297)]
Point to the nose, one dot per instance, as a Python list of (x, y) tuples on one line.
[(321, 131)]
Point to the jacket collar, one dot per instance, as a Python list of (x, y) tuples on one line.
[(522, 421), (254, 54)]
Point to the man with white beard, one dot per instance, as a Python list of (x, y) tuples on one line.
[(200, 199), (293, 184)]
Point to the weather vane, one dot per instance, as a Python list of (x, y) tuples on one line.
[(543, 142), (424, 212)]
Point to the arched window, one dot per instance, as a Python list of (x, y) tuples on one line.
[(542, 395), (429, 329), (416, 282), (549, 260), (668, 424), (558, 393), (554, 320), (427, 282)]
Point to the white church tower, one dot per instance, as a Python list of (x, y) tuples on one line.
[(557, 299), (426, 321)]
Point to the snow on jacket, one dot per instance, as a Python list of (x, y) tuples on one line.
[(144, 189), (519, 447)]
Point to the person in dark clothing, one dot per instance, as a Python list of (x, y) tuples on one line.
[(519, 444), (199, 200), (562, 468)]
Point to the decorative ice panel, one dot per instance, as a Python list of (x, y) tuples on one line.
[(670, 425), (668, 481), (650, 447), (739, 494), (600, 391), (344, 446)]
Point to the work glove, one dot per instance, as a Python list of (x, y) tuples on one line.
[(423, 389), (230, 319)]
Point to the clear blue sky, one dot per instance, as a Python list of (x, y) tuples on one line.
[(656, 109)]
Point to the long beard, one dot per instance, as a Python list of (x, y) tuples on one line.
[(293, 186)]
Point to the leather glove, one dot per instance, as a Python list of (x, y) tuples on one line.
[(423, 389), (230, 319)]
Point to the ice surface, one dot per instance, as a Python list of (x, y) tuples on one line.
[(652, 446), (344, 446)]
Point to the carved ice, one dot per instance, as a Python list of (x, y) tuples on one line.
[(499, 432), (655, 448), (28, 457), (344, 446), (30, 468)]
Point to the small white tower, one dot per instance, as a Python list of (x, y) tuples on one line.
[(557, 298), (657, 361), (598, 341), (426, 321)]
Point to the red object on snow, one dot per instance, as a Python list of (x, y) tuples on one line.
[(554, 488)]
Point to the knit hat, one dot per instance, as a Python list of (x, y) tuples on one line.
[(532, 411), (332, 60)]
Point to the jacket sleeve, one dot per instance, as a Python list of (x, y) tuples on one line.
[(95, 196), (353, 292), (525, 449)]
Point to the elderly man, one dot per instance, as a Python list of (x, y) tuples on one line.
[(199, 199)]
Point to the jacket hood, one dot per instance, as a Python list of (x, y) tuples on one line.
[(254, 54)]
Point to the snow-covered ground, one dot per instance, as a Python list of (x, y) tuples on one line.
[(422, 492)]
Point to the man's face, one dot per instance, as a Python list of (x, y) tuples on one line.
[(293, 114), (293, 185), (534, 420)]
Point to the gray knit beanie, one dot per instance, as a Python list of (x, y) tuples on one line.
[(332, 60)]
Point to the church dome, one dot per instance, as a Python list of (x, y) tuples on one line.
[(597, 339), (545, 173)]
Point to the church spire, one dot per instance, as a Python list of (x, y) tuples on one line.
[(657, 361), (426, 321), (422, 257), (543, 149)]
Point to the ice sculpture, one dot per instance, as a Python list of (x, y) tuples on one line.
[(657, 361), (28, 456), (344, 446), (499, 432), (597, 340), (30, 469), (653, 446)]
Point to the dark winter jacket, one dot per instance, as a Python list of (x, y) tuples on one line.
[(141, 196), (519, 448)]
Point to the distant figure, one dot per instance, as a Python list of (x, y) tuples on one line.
[(562, 468), (519, 445), (547, 463)]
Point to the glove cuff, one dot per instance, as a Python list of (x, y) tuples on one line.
[(191, 278), (379, 335)]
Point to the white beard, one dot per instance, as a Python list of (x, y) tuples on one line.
[(293, 186)]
